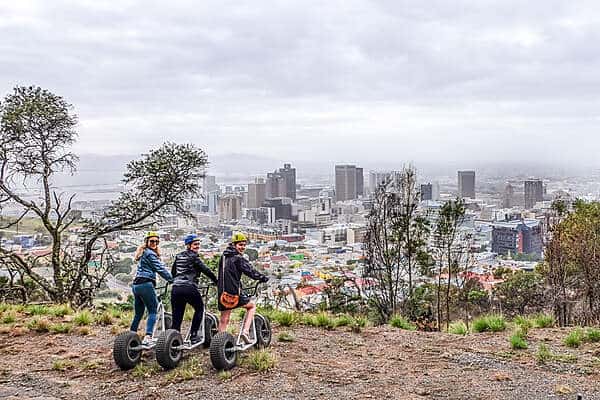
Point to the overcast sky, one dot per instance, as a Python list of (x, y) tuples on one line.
[(460, 81)]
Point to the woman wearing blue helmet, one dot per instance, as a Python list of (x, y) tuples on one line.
[(186, 269)]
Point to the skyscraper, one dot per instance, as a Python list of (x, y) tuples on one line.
[(256, 193), (533, 190), (345, 182), (466, 184), (507, 197), (230, 207), (427, 191), (360, 182), (282, 183)]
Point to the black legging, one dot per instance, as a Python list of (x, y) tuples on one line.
[(182, 295)]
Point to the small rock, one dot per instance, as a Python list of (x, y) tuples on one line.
[(563, 389), (502, 377)]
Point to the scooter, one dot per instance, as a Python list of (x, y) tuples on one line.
[(128, 347), (171, 345), (224, 348)]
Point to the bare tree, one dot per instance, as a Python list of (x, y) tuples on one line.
[(36, 131)]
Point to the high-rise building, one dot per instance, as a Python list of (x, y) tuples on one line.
[(256, 193), (289, 176), (282, 183), (507, 196), (209, 184), (466, 184), (230, 207), (435, 191), (427, 191), (360, 182), (517, 237), (345, 182), (533, 191), (213, 202)]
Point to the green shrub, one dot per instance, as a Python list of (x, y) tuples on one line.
[(517, 342), (458, 328), (60, 328), (39, 324), (543, 320), (324, 320), (61, 310), (358, 323), (491, 323), (398, 321), (574, 338), (593, 335), (543, 354), (83, 318), (521, 331), (104, 319), (37, 309), (496, 323), (285, 337), (523, 321), (284, 318), (261, 360), (343, 320), (9, 318), (143, 370), (62, 364), (224, 375)]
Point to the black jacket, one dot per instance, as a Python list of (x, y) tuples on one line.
[(231, 267), (187, 267)]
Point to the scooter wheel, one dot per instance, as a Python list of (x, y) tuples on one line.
[(222, 351), (211, 328), (124, 356), (167, 355), (263, 331)]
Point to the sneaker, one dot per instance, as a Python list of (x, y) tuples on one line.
[(244, 338), (194, 338), (147, 340)]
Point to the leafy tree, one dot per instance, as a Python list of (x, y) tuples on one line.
[(37, 129), (520, 291)]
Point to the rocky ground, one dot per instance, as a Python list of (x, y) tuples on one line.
[(319, 364)]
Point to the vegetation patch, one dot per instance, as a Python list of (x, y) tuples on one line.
[(261, 360), (60, 364), (489, 323), (224, 375), (189, 369), (542, 320), (398, 321), (83, 318), (285, 337), (9, 318), (143, 370), (104, 319), (60, 328), (517, 342), (593, 335), (60, 310), (39, 324), (458, 328), (37, 309), (574, 338), (284, 318)]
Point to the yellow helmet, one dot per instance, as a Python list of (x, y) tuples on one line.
[(238, 237), (151, 234)]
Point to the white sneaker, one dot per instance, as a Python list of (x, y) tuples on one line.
[(147, 340)]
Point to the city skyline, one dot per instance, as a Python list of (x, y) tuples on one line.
[(358, 82)]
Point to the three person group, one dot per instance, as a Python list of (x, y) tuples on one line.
[(184, 276)]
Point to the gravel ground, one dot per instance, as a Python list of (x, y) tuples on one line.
[(381, 363)]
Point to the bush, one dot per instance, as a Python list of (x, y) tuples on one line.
[(284, 318), (324, 320), (517, 341), (543, 320), (398, 321), (104, 319), (574, 338), (60, 328), (593, 335), (261, 360), (358, 323), (285, 337), (543, 354), (83, 318), (37, 309), (39, 324), (458, 328), (61, 310), (343, 320), (9, 317), (523, 321), (491, 323)]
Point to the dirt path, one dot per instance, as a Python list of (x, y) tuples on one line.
[(378, 363)]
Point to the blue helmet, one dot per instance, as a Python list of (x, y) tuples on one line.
[(191, 238)]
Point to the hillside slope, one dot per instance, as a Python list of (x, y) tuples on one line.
[(376, 363)]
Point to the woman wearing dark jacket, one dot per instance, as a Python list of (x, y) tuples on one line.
[(231, 267), (186, 269), (144, 294)]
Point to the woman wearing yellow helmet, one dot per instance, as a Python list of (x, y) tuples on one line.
[(144, 294)]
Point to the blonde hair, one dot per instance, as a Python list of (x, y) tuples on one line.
[(140, 250)]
